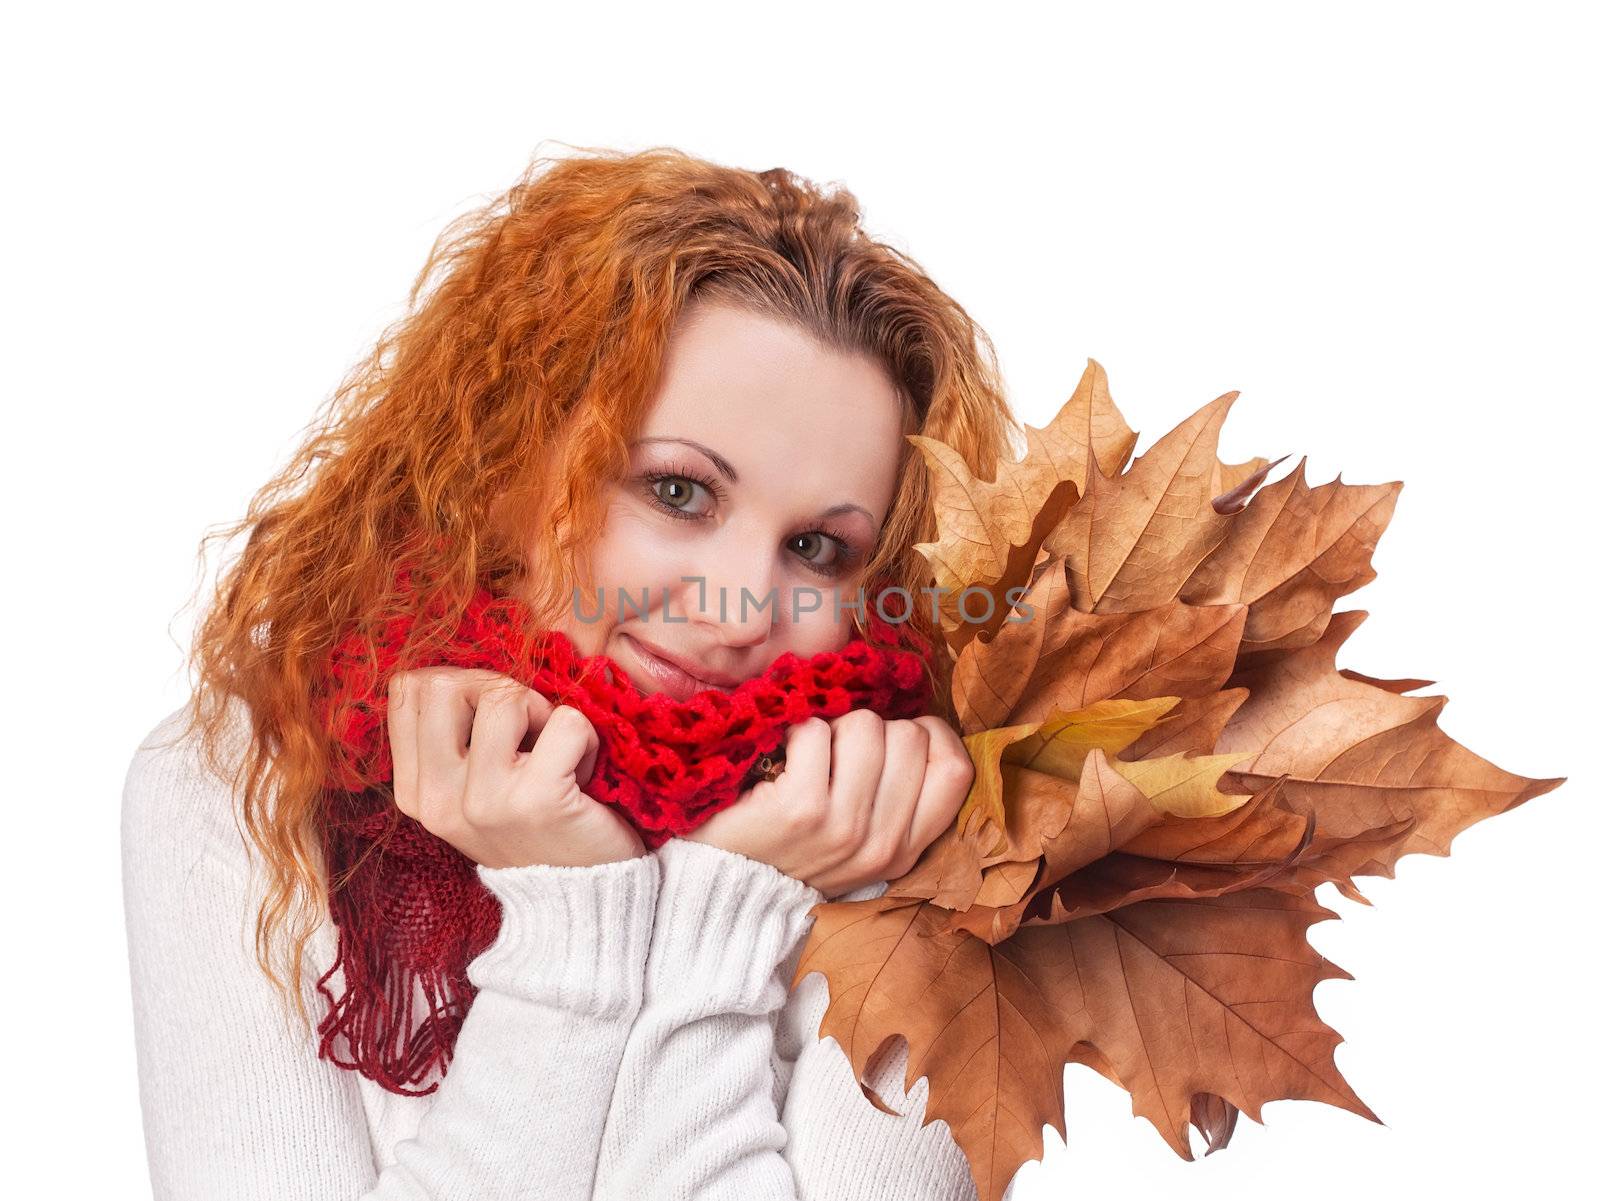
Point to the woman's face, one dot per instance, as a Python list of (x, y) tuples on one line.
[(755, 492)]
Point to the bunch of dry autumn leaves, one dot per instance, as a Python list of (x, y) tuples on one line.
[(1168, 764)]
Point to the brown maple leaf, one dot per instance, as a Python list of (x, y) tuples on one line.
[(1169, 763), (1170, 999), (989, 531)]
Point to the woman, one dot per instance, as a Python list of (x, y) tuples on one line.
[(637, 375)]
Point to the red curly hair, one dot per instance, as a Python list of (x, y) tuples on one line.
[(502, 404)]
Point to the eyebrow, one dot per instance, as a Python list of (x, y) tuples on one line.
[(727, 469)]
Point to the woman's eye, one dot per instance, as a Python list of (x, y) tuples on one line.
[(818, 549), (676, 492), (827, 554)]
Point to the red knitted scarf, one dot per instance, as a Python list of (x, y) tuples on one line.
[(410, 910)]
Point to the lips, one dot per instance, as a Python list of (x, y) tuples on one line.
[(678, 677)]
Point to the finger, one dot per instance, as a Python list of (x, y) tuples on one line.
[(544, 707), (562, 744), (807, 763), (444, 722), (591, 752), (857, 768), (539, 709), (945, 786), (500, 721), (905, 763), (403, 740)]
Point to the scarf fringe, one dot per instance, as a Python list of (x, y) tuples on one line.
[(372, 1024)]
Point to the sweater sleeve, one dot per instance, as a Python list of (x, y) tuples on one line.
[(696, 1113), (236, 1104)]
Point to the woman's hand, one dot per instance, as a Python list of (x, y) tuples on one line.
[(859, 800), (457, 736)]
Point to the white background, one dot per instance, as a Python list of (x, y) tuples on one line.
[(1375, 221)]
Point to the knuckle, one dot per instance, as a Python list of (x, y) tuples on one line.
[(906, 858), (477, 808), (911, 733), (814, 814), (952, 765), (432, 800), (850, 835), (502, 690), (880, 853), (843, 841), (567, 719), (434, 683), (405, 801), (812, 724), (452, 829), (951, 783), (863, 718), (962, 770)]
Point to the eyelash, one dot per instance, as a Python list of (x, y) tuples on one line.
[(847, 553)]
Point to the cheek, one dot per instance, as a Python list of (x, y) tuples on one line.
[(639, 560), (625, 558), (820, 631), (632, 554)]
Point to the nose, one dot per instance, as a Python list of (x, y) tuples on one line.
[(731, 592)]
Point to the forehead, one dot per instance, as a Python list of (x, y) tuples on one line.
[(766, 395)]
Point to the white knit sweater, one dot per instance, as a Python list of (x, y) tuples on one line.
[(633, 1036)]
